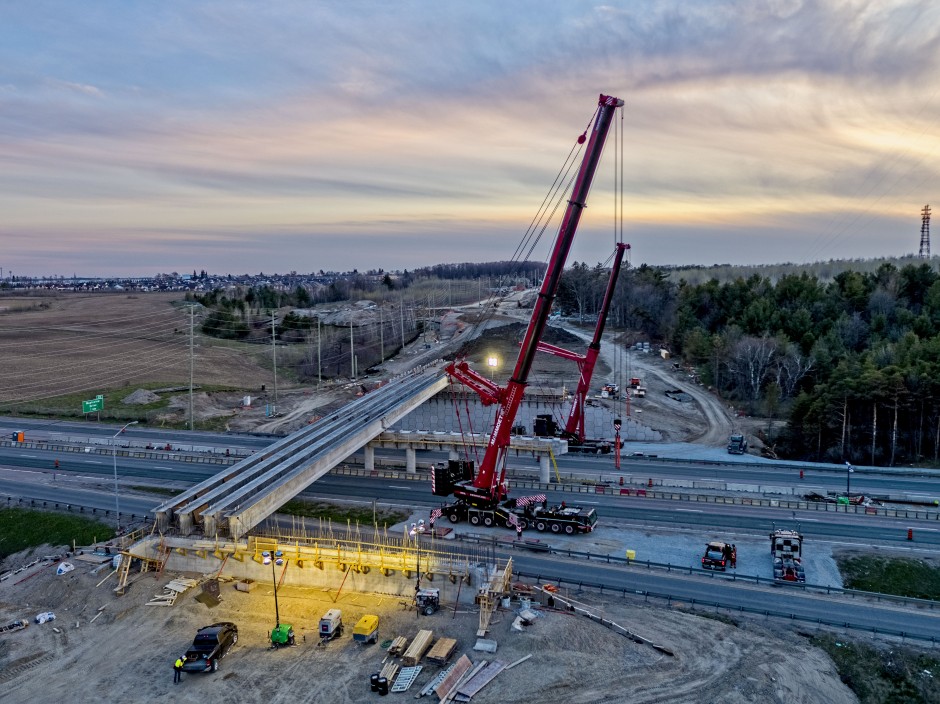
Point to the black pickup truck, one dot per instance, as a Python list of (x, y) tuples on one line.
[(209, 646)]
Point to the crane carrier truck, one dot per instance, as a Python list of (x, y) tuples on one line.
[(483, 495)]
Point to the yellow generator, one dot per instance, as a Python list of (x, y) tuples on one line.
[(366, 629)]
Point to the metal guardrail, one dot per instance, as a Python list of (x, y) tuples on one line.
[(731, 577), (650, 493), (8, 501), (778, 464), (646, 594)]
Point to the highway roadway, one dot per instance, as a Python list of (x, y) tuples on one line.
[(29, 473), (815, 522), (921, 484)]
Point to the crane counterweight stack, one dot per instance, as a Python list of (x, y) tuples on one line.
[(487, 488)]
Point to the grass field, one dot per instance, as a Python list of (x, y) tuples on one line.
[(899, 576), (21, 529), (884, 675)]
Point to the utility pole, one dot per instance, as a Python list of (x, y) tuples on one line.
[(381, 338), (192, 321), (402, 309), (352, 353), (925, 233), (274, 360), (319, 357)]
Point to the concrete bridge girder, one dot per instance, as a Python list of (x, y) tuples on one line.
[(241, 504)]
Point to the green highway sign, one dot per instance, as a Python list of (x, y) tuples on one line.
[(96, 404)]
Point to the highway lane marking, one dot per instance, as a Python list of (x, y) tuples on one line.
[(160, 466), (690, 510), (93, 462), (392, 486), (32, 457)]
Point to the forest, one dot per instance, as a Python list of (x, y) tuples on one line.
[(849, 363), (852, 364)]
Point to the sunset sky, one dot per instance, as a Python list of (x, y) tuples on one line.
[(239, 137)]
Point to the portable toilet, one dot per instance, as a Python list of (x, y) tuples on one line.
[(366, 629), (331, 624)]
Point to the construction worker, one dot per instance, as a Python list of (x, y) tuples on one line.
[(57, 464), (178, 669), (734, 556)]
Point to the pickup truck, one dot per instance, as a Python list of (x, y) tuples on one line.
[(716, 556), (209, 646)]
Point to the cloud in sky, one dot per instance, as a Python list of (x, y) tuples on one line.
[(237, 136)]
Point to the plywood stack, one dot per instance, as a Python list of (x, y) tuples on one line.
[(419, 646), (442, 650), (469, 688), (457, 673)]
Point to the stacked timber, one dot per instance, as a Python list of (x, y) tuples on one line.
[(442, 650), (419, 646), (389, 671), (398, 646)]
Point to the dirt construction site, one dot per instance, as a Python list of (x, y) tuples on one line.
[(573, 647), (570, 646)]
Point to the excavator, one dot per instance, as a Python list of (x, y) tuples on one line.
[(483, 497)]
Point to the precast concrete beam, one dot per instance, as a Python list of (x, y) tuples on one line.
[(368, 459)]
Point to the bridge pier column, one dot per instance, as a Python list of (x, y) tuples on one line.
[(163, 521), (410, 462), (369, 458), (545, 469), (186, 523)]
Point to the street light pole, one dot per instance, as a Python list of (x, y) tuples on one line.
[(848, 478), (117, 502)]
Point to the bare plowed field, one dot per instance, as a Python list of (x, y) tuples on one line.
[(55, 345)]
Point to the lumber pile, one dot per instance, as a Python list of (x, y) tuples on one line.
[(398, 646), (389, 671), (419, 646), (172, 591), (442, 650)]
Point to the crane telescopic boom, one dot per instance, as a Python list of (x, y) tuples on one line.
[(488, 486)]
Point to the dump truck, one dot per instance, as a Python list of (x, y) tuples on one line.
[(786, 549), (737, 444), (366, 629)]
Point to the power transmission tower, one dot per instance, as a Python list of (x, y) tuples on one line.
[(925, 233)]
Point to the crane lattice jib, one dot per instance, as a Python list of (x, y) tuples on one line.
[(494, 458), (575, 425)]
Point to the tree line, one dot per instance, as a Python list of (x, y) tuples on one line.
[(852, 364)]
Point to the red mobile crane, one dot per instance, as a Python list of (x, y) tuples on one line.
[(488, 488), (574, 428)]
